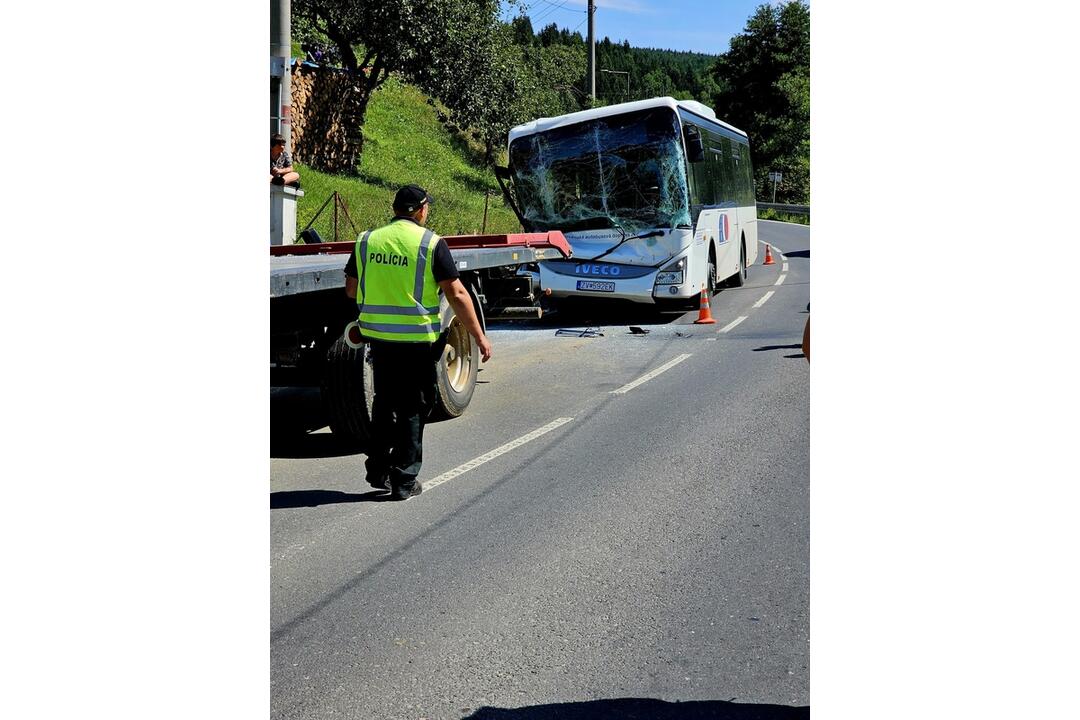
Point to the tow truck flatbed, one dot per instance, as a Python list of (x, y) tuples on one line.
[(296, 269)]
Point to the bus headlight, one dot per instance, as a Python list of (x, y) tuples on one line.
[(672, 274), (669, 277)]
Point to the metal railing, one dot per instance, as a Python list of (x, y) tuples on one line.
[(335, 232)]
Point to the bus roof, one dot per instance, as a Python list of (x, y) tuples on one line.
[(692, 106)]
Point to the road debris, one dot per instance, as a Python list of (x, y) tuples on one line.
[(587, 332)]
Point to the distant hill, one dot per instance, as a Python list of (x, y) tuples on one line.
[(652, 72)]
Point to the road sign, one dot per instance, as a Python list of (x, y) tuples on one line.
[(776, 177)]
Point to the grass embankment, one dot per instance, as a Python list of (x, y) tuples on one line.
[(404, 142), (770, 214)]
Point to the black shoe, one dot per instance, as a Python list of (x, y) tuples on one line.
[(404, 492), (380, 483)]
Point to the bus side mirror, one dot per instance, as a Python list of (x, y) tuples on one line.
[(506, 183), (695, 145)]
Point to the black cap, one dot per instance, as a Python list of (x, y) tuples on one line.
[(411, 198)]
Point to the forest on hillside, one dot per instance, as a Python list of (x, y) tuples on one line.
[(491, 75)]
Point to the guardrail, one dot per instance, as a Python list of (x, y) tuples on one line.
[(792, 209)]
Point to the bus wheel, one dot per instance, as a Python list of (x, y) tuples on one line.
[(739, 277), (712, 276)]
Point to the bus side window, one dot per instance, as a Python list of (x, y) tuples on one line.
[(695, 176), (702, 181), (727, 168), (717, 174)]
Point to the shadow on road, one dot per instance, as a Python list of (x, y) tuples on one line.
[(314, 498), (796, 346), (308, 446), (294, 413), (645, 709), (798, 253)]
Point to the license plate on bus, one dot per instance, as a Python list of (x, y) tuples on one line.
[(596, 286)]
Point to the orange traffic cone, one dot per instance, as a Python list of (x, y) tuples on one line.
[(704, 313), (768, 256)]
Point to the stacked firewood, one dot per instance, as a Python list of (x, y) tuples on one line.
[(324, 131)]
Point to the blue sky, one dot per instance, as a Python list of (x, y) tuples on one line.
[(697, 25)]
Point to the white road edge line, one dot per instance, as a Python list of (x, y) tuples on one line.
[(765, 299), (501, 450), (772, 246), (649, 376), (779, 280), (784, 268), (732, 324)]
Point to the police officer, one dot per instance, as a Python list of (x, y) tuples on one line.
[(396, 275)]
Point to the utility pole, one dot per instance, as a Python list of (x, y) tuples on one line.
[(280, 55), (592, 53)]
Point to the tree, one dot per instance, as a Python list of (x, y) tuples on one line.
[(657, 83), (549, 35), (523, 30), (764, 88), (499, 84), (424, 40), (482, 89)]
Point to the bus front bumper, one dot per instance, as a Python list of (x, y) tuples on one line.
[(640, 290)]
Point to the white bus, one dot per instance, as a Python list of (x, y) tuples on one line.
[(655, 197)]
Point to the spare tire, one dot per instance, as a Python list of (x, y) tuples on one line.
[(456, 368)]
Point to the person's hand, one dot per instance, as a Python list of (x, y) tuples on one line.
[(485, 348)]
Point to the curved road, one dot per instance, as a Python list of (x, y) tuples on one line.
[(618, 527)]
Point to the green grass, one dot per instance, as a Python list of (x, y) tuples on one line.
[(770, 214), (405, 143)]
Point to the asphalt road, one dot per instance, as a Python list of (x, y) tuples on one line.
[(629, 550)]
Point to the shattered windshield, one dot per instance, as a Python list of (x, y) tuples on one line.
[(625, 171)]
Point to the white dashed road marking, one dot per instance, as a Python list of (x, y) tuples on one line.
[(764, 300), (776, 249), (649, 376), (784, 268), (780, 280), (732, 324), (501, 450)]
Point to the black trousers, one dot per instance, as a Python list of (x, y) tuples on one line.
[(404, 394)]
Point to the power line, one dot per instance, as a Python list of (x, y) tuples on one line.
[(532, 5), (549, 10)]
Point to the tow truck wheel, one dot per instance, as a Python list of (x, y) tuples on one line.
[(348, 388)]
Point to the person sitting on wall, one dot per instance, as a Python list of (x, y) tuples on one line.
[(281, 169)]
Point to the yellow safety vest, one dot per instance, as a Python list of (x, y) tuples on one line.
[(397, 297)]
